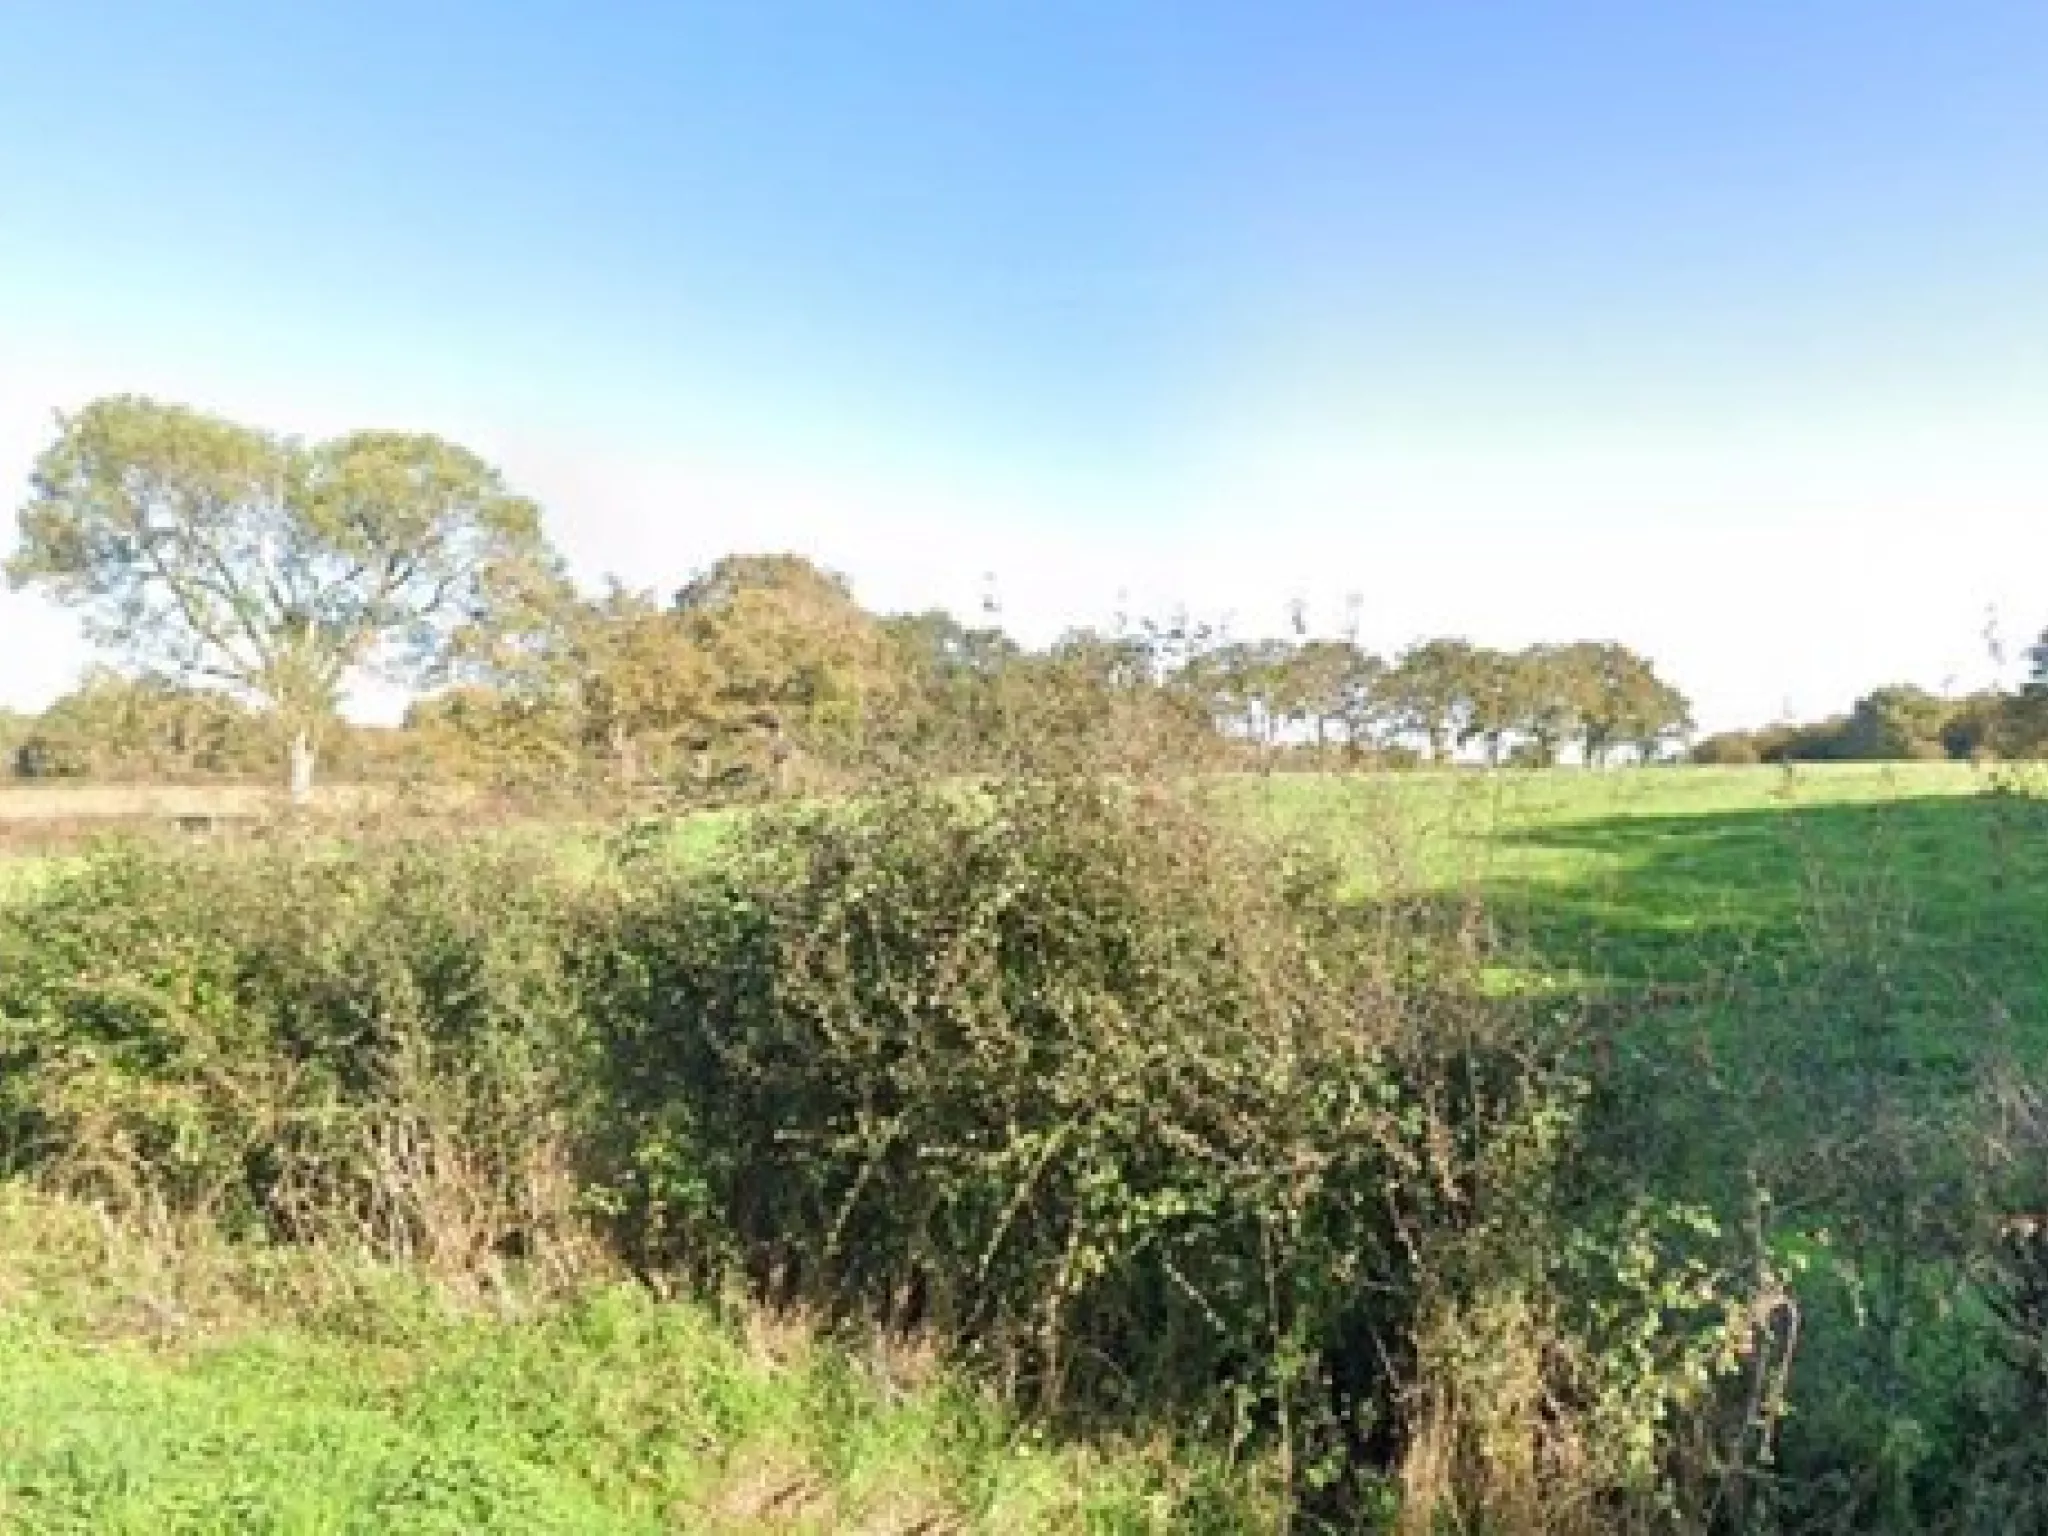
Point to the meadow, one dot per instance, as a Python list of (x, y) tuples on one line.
[(1790, 996)]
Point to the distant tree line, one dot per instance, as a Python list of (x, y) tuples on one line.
[(246, 580), (763, 674), (1903, 723), (1445, 698)]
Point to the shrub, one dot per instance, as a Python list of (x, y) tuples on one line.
[(1102, 1092), (386, 1039), (1133, 1108), (1728, 749)]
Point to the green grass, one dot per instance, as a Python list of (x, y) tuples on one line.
[(1772, 952), (21, 874), (1685, 875), (181, 1386)]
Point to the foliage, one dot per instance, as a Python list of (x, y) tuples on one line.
[(225, 555), (797, 668), (1727, 749), (1160, 1127), (946, 709), (115, 727), (1899, 723), (1114, 1100), (291, 1038), (1071, 1073)]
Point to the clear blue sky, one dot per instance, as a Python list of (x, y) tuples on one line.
[(1721, 328)]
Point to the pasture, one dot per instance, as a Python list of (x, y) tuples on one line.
[(1731, 883), (1768, 948)]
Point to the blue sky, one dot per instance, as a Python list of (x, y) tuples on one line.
[(1718, 328)]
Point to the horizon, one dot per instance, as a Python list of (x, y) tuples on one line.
[(1718, 335)]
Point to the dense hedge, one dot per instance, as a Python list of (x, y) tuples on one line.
[(1075, 1076)]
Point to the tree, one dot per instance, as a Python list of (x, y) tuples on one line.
[(1244, 687), (799, 668), (1361, 698), (642, 680), (1620, 700), (1897, 724), (1728, 749), (276, 570), (1814, 741), (15, 728), (1320, 678), (1549, 697), (1428, 693), (946, 714), (523, 740), (1098, 699), (1978, 726), (1498, 685), (146, 728)]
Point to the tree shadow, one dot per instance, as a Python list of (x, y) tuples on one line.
[(1772, 981)]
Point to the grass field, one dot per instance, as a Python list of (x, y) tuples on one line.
[(1699, 874), (1773, 943)]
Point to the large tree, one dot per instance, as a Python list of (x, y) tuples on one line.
[(276, 570), (1621, 701), (799, 669), (643, 681), (1429, 690)]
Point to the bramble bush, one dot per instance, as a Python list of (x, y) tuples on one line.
[(1128, 1104), (383, 1044), (1077, 1077)]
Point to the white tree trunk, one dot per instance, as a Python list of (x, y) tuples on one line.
[(302, 758)]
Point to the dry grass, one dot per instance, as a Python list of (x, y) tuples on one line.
[(34, 804)]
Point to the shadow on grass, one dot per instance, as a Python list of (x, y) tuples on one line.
[(1768, 980)]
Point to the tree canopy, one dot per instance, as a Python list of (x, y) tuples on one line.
[(276, 570)]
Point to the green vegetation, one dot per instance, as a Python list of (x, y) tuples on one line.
[(1073, 1080), (1161, 1134), (876, 1075), (174, 1384), (246, 580), (276, 570)]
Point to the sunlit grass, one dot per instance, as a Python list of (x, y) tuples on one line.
[(179, 1384)]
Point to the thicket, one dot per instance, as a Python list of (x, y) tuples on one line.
[(1132, 1111), (1116, 1102)]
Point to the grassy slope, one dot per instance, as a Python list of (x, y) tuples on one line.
[(173, 1387)]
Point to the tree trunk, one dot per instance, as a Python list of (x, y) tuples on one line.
[(625, 759), (302, 759)]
